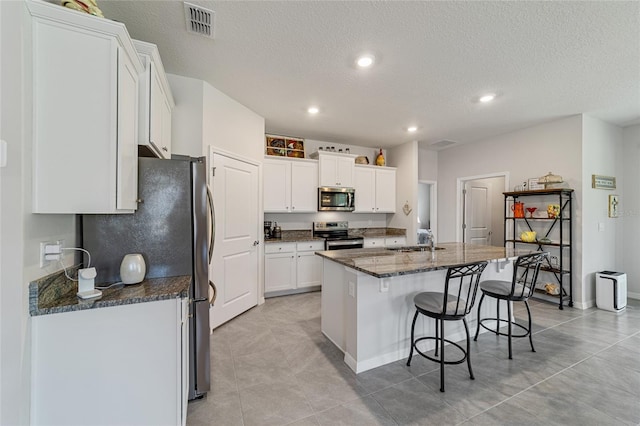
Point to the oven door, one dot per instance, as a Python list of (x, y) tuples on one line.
[(336, 199), (344, 244)]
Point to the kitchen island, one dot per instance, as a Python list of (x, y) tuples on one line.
[(367, 296)]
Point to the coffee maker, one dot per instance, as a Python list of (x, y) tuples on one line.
[(267, 229)]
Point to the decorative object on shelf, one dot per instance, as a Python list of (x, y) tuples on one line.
[(531, 211), (362, 160), (132, 268), (553, 211), (380, 159), (549, 179), (518, 210), (86, 6), (552, 289), (407, 208), (284, 146), (534, 185), (544, 240), (528, 236), (613, 205), (603, 182)]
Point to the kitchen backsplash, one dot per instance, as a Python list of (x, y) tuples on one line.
[(288, 221)]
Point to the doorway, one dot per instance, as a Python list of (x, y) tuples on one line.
[(480, 210), (427, 206)]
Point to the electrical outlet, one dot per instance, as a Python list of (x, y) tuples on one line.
[(49, 252)]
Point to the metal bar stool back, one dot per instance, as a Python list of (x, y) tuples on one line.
[(519, 289), (452, 304)]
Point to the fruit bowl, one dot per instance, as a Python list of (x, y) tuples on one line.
[(528, 236)]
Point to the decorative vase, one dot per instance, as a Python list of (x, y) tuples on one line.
[(132, 269), (380, 159)]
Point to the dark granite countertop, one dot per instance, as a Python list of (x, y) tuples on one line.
[(55, 293), (382, 263), (294, 237)]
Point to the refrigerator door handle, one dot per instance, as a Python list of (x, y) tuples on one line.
[(215, 293), (213, 224)]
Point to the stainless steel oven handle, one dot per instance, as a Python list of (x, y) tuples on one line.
[(213, 224), (344, 243)]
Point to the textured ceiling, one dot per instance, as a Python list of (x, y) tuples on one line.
[(545, 60)]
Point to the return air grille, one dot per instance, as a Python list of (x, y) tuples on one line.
[(199, 20), (442, 144)]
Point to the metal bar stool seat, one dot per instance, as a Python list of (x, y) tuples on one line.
[(519, 289), (453, 304)]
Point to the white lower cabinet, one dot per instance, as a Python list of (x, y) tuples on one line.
[(373, 242), (292, 266), (118, 365)]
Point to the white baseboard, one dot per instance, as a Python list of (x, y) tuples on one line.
[(633, 295)]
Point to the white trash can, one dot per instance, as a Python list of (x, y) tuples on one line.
[(611, 290)]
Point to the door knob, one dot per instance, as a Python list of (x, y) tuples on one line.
[(255, 243)]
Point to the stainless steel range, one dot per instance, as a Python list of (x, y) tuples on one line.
[(336, 235)]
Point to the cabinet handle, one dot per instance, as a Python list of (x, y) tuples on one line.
[(293, 207), (165, 149)]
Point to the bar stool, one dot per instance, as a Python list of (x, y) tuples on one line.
[(460, 288), (519, 289)]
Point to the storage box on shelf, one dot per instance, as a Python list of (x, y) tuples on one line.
[(290, 185), (553, 234), (292, 267), (336, 169), (156, 103), (85, 73), (375, 189)]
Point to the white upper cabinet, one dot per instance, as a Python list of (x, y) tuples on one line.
[(290, 185), (336, 169), (85, 112), (156, 102), (375, 189)]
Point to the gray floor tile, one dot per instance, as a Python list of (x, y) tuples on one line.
[(275, 403), (261, 367), (413, 403), (307, 421), (221, 409), (365, 411), (507, 413)]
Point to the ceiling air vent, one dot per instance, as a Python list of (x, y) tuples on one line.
[(199, 20), (442, 144)]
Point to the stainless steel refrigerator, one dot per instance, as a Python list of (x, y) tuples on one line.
[(172, 231)]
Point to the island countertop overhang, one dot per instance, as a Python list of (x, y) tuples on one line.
[(384, 262)]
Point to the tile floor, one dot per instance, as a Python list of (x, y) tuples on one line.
[(273, 366)]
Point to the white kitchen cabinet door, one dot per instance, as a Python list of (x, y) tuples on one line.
[(276, 176), (304, 187), (373, 242), (279, 271), (85, 75), (336, 170), (156, 102), (365, 189), (309, 269), (385, 187), (127, 358)]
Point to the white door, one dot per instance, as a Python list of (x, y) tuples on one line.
[(234, 267), (477, 212)]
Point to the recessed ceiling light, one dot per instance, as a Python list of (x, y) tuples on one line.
[(365, 61), (487, 98), (313, 110), (412, 129)]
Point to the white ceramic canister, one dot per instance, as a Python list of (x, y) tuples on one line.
[(132, 268)]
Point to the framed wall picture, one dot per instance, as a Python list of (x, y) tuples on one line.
[(603, 182), (533, 184), (614, 201)]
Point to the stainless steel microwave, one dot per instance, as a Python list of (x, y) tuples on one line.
[(336, 199)]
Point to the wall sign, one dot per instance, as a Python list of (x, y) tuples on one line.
[(603, 182)]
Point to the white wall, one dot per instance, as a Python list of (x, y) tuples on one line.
[(20, 229), (602, 154), (230, 126), (630, 209), (405, 158), (532, 152), (427, 164)]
